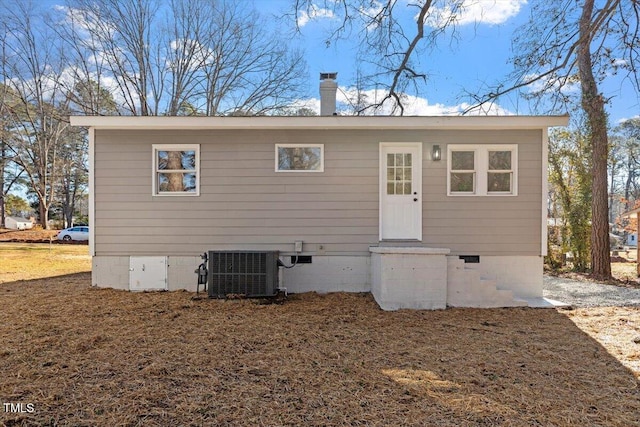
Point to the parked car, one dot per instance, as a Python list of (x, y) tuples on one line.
[(74, 233)]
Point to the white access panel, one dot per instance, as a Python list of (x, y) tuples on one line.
[(148, 273)]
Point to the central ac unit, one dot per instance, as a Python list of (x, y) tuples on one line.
[(243, 273)]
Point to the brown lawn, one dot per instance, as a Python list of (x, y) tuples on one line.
[(33, 235), (25, 261), (100, 357)]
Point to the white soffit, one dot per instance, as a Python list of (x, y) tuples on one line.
[(319, 122)]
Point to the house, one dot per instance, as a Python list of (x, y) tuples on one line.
[(18, 223), (632, 239), (424, 212), (635, 213)]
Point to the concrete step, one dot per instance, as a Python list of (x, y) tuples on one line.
[(469, 287)]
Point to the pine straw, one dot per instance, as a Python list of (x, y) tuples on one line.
[(100, 357)]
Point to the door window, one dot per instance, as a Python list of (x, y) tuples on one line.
[(399, 173)]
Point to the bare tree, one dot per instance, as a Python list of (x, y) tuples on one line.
[(72, 173), (248, 71), (391, 49), (191, 28), (9, 176), (32, 70), (628, 136), (213, 56), (120, 34)]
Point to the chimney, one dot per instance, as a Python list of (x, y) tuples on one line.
[(328, 88)]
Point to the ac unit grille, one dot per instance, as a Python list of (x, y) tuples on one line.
[(247, 273)]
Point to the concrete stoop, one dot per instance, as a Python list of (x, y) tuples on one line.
[(467, 287), (429, 278)]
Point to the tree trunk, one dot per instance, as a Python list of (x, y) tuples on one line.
[(175, 179), (44, 215), (67, 210), (3, 155), (593, 105), (2, 213), (630, 179), (611, 193)]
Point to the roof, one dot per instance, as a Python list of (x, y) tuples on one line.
[(18, 219), (631, 213), (320, 122)]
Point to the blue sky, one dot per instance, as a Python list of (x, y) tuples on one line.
[(479, 56)]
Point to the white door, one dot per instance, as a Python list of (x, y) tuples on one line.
[(148, 273), (401, 191)]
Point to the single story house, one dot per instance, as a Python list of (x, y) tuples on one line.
[(424, 212), (18, 223)]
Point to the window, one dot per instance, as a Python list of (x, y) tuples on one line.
[(463, 172), (176, 170), (478, 170), (299, 157), (399, 173), (500, 174)]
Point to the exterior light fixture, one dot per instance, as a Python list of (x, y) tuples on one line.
[(436, 153)]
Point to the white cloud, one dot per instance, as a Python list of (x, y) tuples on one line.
[(371, 12), (624, 119), (84, 22), (314, 12), (620, 62), (413, 105), (553, 83), (492, 12)]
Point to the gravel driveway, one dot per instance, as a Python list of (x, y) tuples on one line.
[(589, 294)]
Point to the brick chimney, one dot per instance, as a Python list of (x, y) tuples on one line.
[(328, 89)]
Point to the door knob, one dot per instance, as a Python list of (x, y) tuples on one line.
[(415, 199)]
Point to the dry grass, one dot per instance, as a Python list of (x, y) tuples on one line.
[(623, 270), (26, 261), (35, 235), (101, 357)]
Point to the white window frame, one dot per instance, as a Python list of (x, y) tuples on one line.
[(277, 163), (481, 169), (155, 171), (473, 171)]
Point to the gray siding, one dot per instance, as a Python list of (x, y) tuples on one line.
[(245, 204)]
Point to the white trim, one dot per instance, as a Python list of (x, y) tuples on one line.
[(174, 147), (413, 250), (92, 192), (321, 122), (321, 169), (481, 169), (545, 191)]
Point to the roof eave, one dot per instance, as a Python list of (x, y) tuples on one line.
[(329, 122), (631, 213)]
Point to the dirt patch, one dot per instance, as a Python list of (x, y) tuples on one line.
[(102, 357), (36, 235)]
